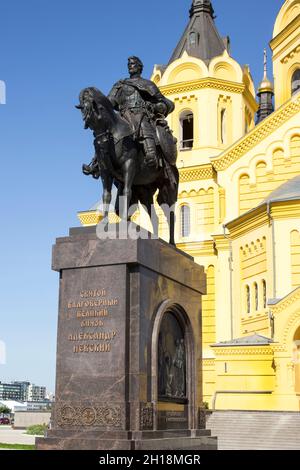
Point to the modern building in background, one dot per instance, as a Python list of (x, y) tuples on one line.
[(23, 389), (238, 210), (36, 393), (10, 391), (22, 392)]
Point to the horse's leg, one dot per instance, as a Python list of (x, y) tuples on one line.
[(107, 182), (172, 227), (169, 211), (155, 221), (149, 204), (117, 203), (129, 171)]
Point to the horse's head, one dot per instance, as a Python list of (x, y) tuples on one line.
[(96, 109), (88, 107)]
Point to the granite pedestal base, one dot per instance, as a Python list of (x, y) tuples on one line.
[(114, 297)]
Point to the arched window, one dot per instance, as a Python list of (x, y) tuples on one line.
[(256, 296), (296, 81), (193, 39), (264, 290), (185, 221), (187, 130), (223, 126), (248, 299)]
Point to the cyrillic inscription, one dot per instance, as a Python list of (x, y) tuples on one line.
[(91, 303)]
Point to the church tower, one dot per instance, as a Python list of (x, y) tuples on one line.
[(201, 38), (215, 106), (214, 96)]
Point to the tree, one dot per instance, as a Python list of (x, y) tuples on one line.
[(4, 409)]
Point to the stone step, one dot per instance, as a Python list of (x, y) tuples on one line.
[(257, 442), (257, 435), (256, 448), (245, 432), (242, 430), (254, 420), (245, 439), (175, 443)]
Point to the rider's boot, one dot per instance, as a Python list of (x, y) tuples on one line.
[(151, 152), (86, 169), (91, 169)]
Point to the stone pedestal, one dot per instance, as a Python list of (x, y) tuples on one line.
[(114, 295)]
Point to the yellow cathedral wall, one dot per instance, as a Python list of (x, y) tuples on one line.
[(286, 49), (221, 181)]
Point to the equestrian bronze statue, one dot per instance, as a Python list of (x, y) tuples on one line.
[(134, 148)]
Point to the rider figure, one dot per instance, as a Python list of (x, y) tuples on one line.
[(140, 102), (142, 105)]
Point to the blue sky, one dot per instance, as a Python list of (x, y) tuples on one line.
[(49, 51)]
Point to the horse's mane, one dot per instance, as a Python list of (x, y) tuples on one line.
[(118, 126), (101, 100)]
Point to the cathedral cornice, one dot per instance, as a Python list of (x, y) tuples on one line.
[(194, 85), (286, 209), (258, 217), (248, 222), (195, 173), (204, 248), (222, 242), (286, 302), (242, 350), (260, 132), (209, 362)]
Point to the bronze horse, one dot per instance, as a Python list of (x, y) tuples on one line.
[(120, 160)]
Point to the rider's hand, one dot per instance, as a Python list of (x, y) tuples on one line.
[(161, 108)]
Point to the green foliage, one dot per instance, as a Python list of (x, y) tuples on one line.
[(205, 405), (5, 410), (37, 429)]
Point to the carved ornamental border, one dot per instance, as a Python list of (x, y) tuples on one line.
[(89, 414)]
